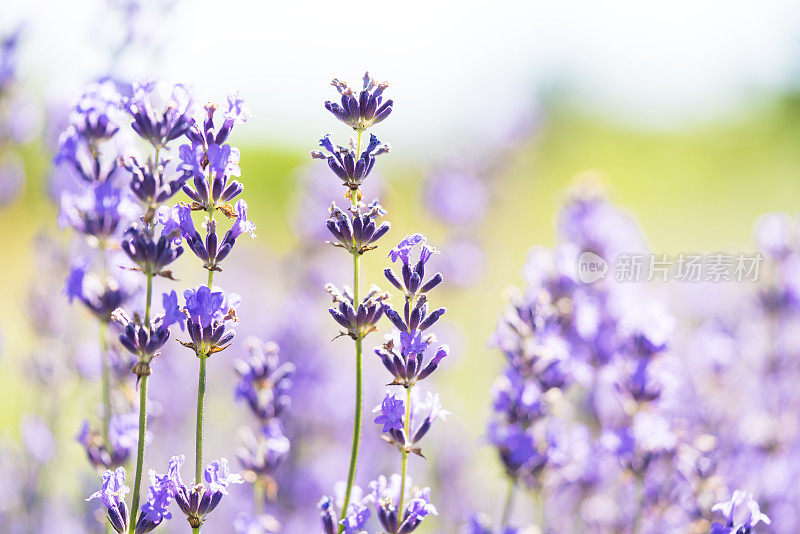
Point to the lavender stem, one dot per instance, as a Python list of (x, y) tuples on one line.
[(359, 403)]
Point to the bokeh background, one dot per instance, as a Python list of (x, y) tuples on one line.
[(689, 112)]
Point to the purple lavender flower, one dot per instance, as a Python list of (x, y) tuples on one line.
[(198, 501), (365, 110), (8, 59), (91, 124), (100, 296), (386, 498), (156, 509), (150, 254), (423, 414), (741, 514), (159, 126), (99, 212), (408, 365), (260, 454), (145, 340), (153, 187), (392, 412), (360, 320), (112, 495), (354, 520), (357, 232), (351, 166), (209, 311), (264, 381), (211, 251), (210, 163), (123, 435), (412, 282)]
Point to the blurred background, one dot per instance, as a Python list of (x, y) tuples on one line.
[(688, 110)]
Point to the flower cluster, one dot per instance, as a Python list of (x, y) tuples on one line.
[(210, 313)]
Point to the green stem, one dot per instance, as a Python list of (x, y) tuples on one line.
[(258, 496), (359, 404), (140, 452), (106, 386), (201, 394), (508, 505), (149, 299), (405, 453)]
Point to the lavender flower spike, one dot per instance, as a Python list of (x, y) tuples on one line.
[(386, 495), (165, 124), (112, 495), (357, 232)]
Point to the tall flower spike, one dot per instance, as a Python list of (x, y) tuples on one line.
[(364, 110)]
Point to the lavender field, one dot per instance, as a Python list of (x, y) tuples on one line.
[(537, 274)]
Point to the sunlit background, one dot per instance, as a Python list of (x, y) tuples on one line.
[(687, 111)]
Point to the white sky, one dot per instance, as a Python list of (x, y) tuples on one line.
[(457, 70)]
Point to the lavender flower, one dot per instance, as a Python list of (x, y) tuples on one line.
[(156, 509), (357, 232), (150, 254), (123, 434), (264, 381), (101, 296), (150, 185), (354, 521), (423, 414), (741, 514), (198, 501), (99, 212), (365, 110), (385, 498), (209, 311), (349, 164), (260, 454), (159, 126), (357, 320), (210, 250), (210, 163), (145, 340), (413, 283), (112, 495)]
